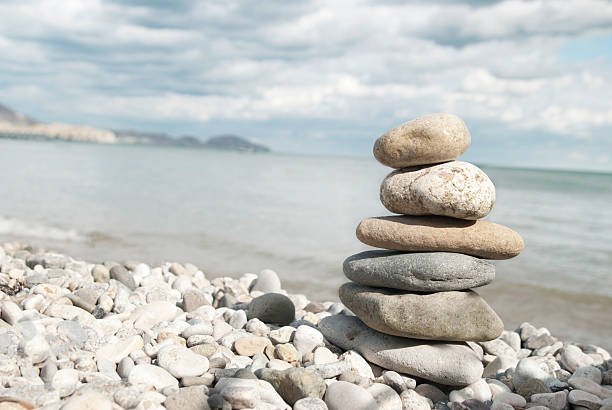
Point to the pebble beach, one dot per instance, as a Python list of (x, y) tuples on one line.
[(110, 335)]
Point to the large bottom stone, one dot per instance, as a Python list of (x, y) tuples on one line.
[(451, 364), (449, 316)]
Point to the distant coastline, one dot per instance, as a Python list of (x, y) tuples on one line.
[(14, 125)]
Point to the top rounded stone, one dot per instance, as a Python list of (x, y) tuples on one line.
[(426, 140)]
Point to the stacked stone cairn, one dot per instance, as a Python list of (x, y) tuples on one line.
[(413, 301)]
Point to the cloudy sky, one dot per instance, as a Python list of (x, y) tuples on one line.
[(532, 79)]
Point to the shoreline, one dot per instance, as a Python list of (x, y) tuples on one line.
[(580, 317), (139, 336)]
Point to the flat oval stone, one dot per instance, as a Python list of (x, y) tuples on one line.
[(421, 271), (452, 316), (426, 140), (440, 234), (450, 364), (457, 189)]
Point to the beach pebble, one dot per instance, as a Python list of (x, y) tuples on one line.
[(257, 327), (456, 189), (528, 369), (306, 339), (498, 347), (267, 393), (478, 390), (193, 299), (250, 346), (431, 392), (272, 308), (499, 365), (572, 358), (310, 403), (181, 362), (440, 234), (151, 375), (127, 397), (267, 281), (282, 335), (147, 316), (414, 401), (115, 352), (88, 399), (584, 399), (287, 352), (589, 372), (241, 397), (512, 339), (122, 275), (238, 319), (294, 384), (322, 355), (530, 387), (11, 312), (65, 381), (589, 386), (553, 401), (100, 273), (386, 398), (426, 140), (125, 367), (343, 395), (515, 400), (37, 349), (397, 382), (201, 329)]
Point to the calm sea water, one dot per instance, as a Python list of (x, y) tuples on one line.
[(231, 213)]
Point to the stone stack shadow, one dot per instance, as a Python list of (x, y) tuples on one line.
[(413, 298)]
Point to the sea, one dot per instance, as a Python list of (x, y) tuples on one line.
[(231, 213)]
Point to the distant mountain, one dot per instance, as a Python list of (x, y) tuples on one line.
[(12, 117), (16, 125), (234, 143), (139, 137)]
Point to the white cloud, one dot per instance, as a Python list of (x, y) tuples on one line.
[(351, 62)]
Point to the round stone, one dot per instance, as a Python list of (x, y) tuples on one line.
[(386, 398), (310, 403), (116, 351), (250, 346), (306, 339), (181, 362), (452, 316), (345, 395), (426, 140), (65, 381), (241, 397), (121, 274), (294, 383), (457, 189), (272, 308), (478, 390), (151, 375), (267, 281), (423, 271), (440, 234)]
